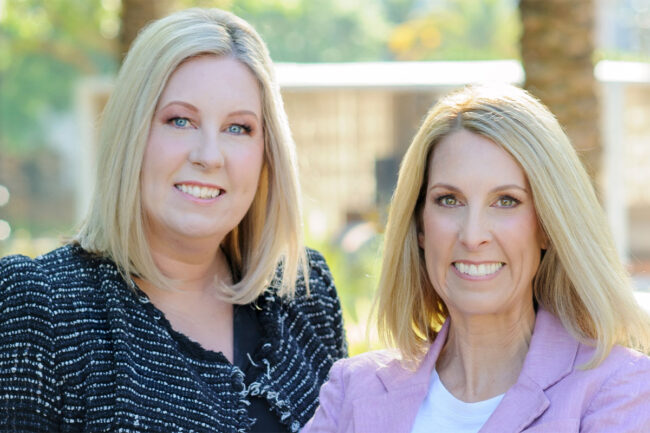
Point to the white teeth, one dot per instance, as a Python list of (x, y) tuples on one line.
[(204, 192), (478, 271)]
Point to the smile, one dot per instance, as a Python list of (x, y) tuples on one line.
[(202, 192), (481, 270)]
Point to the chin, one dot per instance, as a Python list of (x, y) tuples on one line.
[(470, 306)]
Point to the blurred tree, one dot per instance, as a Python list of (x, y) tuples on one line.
[(456, 30), (318, 30), (398, 11), (557, 46), (136, 14), (294, 30), (44, 47)]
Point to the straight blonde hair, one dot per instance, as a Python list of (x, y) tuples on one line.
[(270, 233), (580, 279)]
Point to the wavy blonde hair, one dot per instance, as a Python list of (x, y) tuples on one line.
[(270, 232), (580, 278)]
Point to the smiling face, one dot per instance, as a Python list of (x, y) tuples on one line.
[(479, 231), (205, 151)]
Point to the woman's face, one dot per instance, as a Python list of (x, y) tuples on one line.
[(204, 153), (479, 231)]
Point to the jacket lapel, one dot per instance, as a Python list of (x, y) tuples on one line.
[(550, 358), (394, 411), (522, 404)]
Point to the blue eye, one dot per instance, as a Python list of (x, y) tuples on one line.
[(238, 129), (179, 122)]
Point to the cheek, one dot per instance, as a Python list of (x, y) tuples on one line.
[(437, 239), (163, 157), (147, 170), (439, 230), (522, 234), (162, 151), (531, 231), (247, 165)]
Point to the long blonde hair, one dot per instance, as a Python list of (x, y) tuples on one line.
[(580, 278), (270, 233)]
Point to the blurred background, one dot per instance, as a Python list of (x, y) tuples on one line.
[(357, 78)]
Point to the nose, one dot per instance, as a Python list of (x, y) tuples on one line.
[(474, 230), (208, 151)]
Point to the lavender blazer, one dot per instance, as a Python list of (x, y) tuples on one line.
[(373, 393)]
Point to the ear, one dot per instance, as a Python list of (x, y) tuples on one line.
[(544, 240), (421, 239)]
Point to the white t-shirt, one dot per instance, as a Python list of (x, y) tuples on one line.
[(441, 412)]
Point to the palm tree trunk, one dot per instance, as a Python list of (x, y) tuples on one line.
[(557, 45), (135, 15)]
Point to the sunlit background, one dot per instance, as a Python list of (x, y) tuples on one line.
[(357, 78)]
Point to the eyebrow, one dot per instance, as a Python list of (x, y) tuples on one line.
[(495, 189), (184, 104), (243, 112), (194, 109)]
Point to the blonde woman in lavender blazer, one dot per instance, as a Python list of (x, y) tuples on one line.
[(501, 290)]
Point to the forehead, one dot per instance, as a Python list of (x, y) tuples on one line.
[(204, 78), (463, 157)]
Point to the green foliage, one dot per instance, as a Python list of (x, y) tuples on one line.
[(459, 30), (44, 48), (356, 275), (318, 30)]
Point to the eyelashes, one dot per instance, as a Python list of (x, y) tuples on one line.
[(508, 201), (233, 128), (179, 122), (451, 201), (447, 200), (238, 129)]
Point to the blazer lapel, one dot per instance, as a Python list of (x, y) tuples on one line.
[(551, 357), (522, 404), (394, 411)]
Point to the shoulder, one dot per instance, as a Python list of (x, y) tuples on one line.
[(318, 306), (619, 363), (621, 402), (71, 258), (21, 276), (48, 279), (350, 380), (321, 292), (625, 368), (64, 258), (370, 361), (359, 374), (26, 284), (320, 276)]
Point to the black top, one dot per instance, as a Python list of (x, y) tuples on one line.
[(82, 351), (247, 337)]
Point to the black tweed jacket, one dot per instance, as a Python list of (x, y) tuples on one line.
[(81, 351)]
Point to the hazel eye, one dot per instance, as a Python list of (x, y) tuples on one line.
[(447, 201), (507, 201)]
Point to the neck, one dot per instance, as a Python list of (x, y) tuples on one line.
[(192, 306), (484, 355), (191, 266)]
